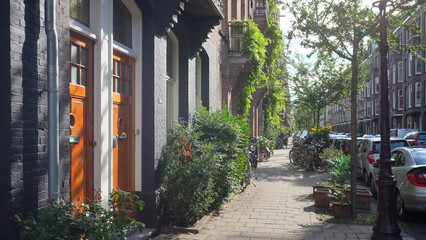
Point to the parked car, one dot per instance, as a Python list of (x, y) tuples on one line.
[(337, 140), (401, 132), (369, 152), (409, 169), (345, 146), (367, 136), (416, 138)]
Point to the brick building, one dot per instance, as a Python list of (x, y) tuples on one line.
[(127, 69), (407, 84)]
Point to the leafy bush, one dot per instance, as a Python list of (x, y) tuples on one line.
[(90, 221), (229, 138), (340, 170), (329, 154), (321, 134), (202, 164), (186, 172)]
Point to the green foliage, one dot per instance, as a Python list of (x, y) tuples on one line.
[(186, 173), (321, 134), (340, 170), (228, 135), (330, 154), (264, 143), (202, 164), (254, 44), (90, 221)]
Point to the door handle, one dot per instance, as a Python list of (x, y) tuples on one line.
[(123, 135), (115, 139)]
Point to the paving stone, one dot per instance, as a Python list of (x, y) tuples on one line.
[(279, 207)]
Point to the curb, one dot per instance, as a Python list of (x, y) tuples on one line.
[(193, 229)]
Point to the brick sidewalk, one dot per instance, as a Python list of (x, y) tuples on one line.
[(278, 206)]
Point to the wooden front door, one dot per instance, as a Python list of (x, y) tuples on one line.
[(81, 118), (123, 121)]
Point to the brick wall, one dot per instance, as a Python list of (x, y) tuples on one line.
[(25, 164)]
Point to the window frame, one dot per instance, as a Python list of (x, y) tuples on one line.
[(400, 71), (417, 94), (400, 99)]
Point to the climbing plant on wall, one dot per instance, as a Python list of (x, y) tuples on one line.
[(254, 44)]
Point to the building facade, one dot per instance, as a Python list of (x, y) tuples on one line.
[(407, 84), (127, 69)]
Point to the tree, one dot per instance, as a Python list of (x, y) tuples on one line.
[(338, 28), (319, 86)]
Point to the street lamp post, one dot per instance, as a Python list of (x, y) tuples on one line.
[(386, 226)]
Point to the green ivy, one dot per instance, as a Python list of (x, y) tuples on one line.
[(254, 44)]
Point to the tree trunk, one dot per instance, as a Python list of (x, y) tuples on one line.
[(354, 92)]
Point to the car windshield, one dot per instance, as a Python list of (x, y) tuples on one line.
[(393, 145), (419, 157), (422, 136)]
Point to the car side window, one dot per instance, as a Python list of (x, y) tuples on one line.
[(399, 159)]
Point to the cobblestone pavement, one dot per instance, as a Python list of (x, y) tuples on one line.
[(279, 205)]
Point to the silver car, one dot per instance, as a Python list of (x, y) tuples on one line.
[(409, 169), (369, 152)]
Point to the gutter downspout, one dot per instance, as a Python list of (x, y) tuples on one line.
[(53, 103)]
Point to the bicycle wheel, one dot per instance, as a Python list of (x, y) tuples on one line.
[(247, 176)]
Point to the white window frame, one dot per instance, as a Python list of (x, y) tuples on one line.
[(400, 71), (409, 122), (368, 108), (410, 96), (394, 73), (400, 99), (410, 62), (376, 106), (173, 86), (417, 71), (417, 94), (376, 84), (393, 100)]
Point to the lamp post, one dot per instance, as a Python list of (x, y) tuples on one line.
[(386, 226)]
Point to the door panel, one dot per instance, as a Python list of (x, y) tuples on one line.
[(123, 119), (81, 179)]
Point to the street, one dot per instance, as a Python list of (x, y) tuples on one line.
[(280, 205)]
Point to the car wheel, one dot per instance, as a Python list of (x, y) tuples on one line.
[(403, 214)]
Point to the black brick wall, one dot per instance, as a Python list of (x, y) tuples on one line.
[(23, 118)]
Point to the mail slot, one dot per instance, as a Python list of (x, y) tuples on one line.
[(75, 139)]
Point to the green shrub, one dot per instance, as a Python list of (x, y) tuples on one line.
[(329, 154), (340, 170), (229, 138), (90, 221), (186, 171)]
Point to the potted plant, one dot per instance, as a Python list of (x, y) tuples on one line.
[(321, 196), (363, 197), (263, 144), (342, 208)]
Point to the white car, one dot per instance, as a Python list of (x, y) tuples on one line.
[(409, 169), (369, 152)]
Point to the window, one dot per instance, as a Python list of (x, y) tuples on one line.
[(377, 84), (80, 11), (409, 122), (365, 109), (79, 64), (410, 62), (172, 80), (394, 73), (361, 95), (368, 108), (197, 82), (400, 71), (417, 94), (122, 75), (122, 24), (393, 100), (376, 62), (410, 94), (376, 106), (368, 90), (400, 99), (418, 63)]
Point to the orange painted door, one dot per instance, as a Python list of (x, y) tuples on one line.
[(123, 121), (81, 117)]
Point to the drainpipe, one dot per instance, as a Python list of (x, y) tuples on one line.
[(53, 103)]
